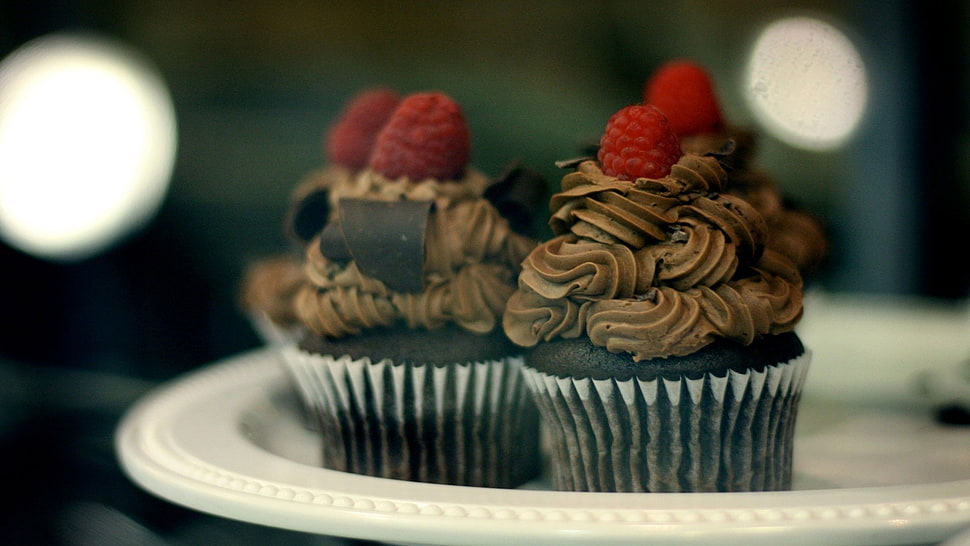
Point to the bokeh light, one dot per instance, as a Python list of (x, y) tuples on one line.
[(87, 145), (806, 83)]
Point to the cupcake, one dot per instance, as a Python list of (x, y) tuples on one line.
[(685, 92), (659, 325), (403, 358), (269, 284)]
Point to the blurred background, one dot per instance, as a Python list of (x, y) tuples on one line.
[(233, 102)]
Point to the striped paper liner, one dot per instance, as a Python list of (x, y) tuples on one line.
[(714, 433), (462, 423)]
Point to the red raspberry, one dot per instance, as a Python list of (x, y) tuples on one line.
[(351, 138), (638, 143), (683, 90), (426, 137)]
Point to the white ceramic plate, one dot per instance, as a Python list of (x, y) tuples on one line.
[(227, 440)]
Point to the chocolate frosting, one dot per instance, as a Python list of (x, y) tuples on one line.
[(654, 267), (459, 264), (314, 201), (795, 233), (470, 263)]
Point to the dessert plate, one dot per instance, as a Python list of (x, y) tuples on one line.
[(228, 440)]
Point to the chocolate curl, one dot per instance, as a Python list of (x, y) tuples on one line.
[(725, 154), (385, 238), (306, 217), (516, 195), (573, 162), (333, 245)]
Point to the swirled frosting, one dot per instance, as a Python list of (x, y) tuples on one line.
[(795, 233), (654, 267), (471, 261)]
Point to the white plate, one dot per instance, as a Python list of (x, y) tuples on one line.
[(227, 440)]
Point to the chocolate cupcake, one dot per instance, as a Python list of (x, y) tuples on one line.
[(403, 361), (660, 327)]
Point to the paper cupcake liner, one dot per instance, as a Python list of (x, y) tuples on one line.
[(730, 433), (462, 424)]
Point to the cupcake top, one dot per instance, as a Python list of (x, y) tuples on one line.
[(411, 239), (685, 92), (653, 256)]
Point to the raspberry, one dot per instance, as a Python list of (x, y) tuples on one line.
[(638, 143), (351, 138), (683, 90), (426, 137)]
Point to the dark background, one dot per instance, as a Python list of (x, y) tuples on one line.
[(254, 88)]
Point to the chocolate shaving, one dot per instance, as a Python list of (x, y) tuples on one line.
[(589, 148), (678, 235), (725, 154), (726, 149), (386, 239), (517, 194), (649, 295), (308, 216), (572, 163)]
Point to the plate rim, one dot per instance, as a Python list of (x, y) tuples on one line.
[(411, 512)]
